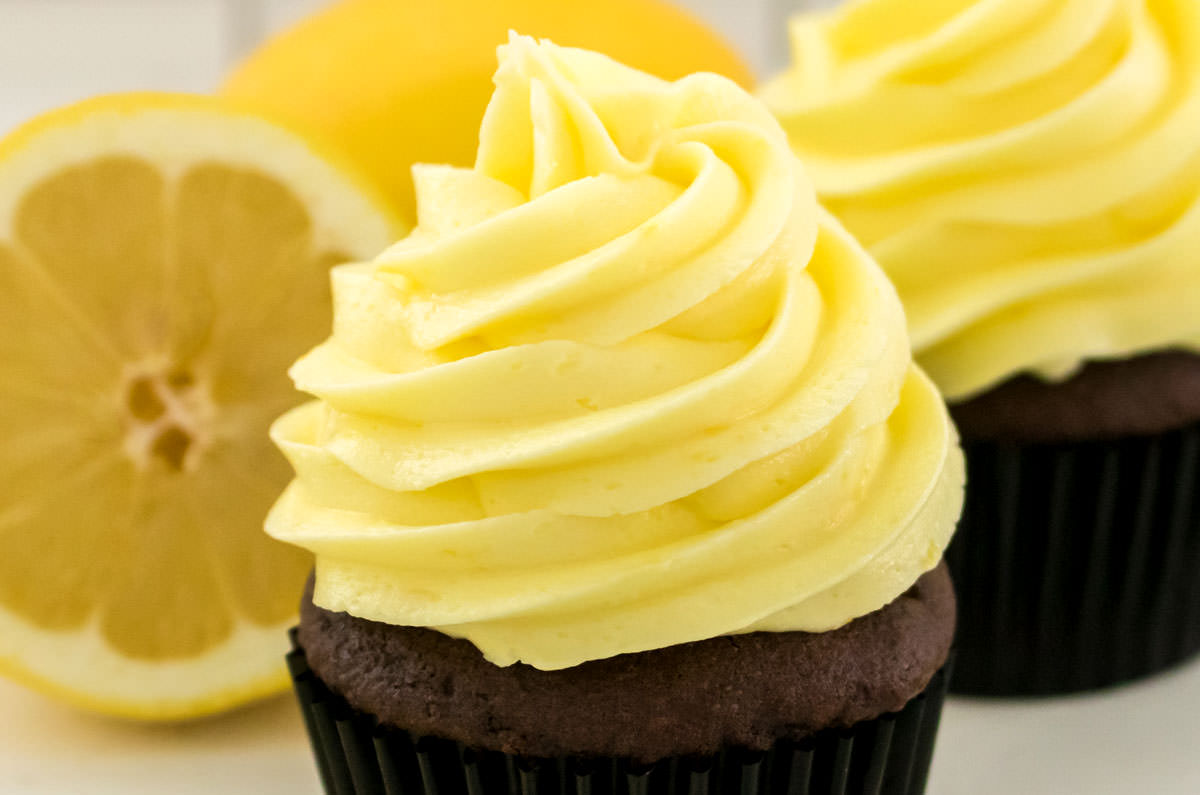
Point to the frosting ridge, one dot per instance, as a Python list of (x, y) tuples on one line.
[(625, 386), (1028, 173)]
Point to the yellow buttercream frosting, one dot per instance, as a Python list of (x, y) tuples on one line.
[(1026, 171), (625, 386)]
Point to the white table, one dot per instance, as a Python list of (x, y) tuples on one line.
[(1140, 739)]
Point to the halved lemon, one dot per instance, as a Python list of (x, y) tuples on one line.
[(163, 260)]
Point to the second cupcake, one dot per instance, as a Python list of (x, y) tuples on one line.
[(1029, 176)]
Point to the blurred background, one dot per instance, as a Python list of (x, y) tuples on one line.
[(57, 51)]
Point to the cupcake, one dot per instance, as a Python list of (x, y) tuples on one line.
[(620, 474), (1028, 174)]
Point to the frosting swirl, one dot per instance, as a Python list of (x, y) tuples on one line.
[(625, 386), (1026, 171)]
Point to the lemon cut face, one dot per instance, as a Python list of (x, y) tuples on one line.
[(163, 260)]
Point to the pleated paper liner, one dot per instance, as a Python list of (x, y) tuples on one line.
[(1077, 564), (886, 756)]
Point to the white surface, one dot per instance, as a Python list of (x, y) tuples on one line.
[(1137, 739), (1140, 738), (47, 749)]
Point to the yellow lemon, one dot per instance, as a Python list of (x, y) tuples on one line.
[(163, 259), (397, 82)]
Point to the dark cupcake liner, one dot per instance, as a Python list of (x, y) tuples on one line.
[(1077, 564), (886, 756)]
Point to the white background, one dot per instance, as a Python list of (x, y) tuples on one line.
[(1144, 738), (57, 51)]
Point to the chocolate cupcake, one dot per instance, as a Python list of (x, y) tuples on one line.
[(1028, 174), (785, 711), (621, 475), (1083, 556)]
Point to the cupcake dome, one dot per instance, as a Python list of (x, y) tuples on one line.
[(1028, 173), (625, 386)]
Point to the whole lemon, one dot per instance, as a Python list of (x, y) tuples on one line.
[(397, 82)]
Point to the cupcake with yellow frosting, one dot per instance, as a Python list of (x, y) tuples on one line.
[(1028, 174), (620, 472)]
